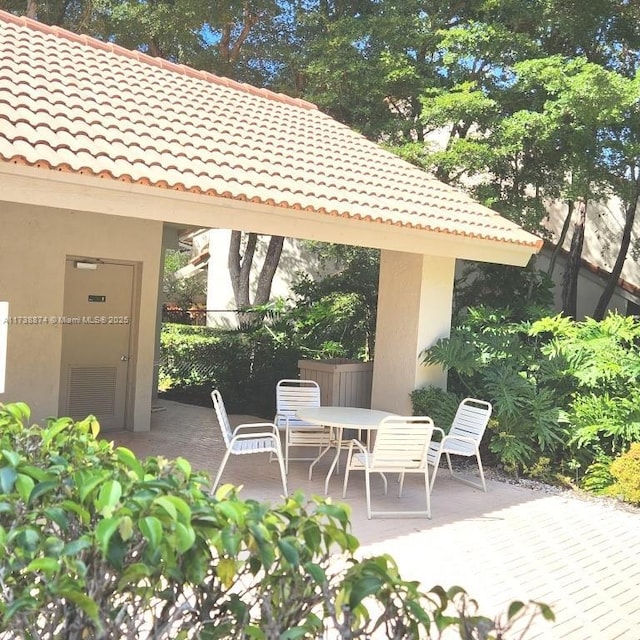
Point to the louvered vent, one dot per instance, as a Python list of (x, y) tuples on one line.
[(92, 390)]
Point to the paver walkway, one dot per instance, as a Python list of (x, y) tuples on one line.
[(580, 557)]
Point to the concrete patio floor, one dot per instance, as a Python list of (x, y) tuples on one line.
[(580, 557)]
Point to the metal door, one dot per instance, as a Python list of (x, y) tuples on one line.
[(96, 339)]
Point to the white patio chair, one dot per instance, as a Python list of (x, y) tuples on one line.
[(292, 395), (400, 446), (255, 437), (463, 439)]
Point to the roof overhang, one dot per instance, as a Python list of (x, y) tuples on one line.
[(41, 187)]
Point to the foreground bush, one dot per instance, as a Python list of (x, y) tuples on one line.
[(95, 543)]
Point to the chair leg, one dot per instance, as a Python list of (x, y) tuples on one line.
[(367, 486), (220, 470), (286, 453), (428, 491), (449, 463), (484, 484), (436, 464), (283, 473), (346, 477)]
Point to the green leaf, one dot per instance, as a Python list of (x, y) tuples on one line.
[(78, 509), (289, 552), (48, 565), (231, 510), (128, 459), (104, 531), (363, 587), (59, 516), (54, 429), (18, 410), (185, 537), (316, 572), (82, 600), (40, 489), (293, 633), (125, 528), (24, 486), (28, 539), (173, 504), (53, 546), (230, 541), (87, 481), (108, 498), (184, 466), (25, 602), (8, 477), (151, 529), (514, 609), (226, 571), (76, 546), (166, 503), (38, 474), (12, 457)]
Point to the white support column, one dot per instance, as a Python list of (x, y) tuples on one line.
[(414, 311)]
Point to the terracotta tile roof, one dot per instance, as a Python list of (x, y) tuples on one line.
[(73, 103)]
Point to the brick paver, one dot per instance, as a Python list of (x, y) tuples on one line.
[(580, 557)]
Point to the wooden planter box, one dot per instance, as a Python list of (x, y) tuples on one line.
[(343, 382)]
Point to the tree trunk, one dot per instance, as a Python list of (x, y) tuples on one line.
[(572, 270), (268, 271), (32, 9), (240, 271), (240, 266), (560, 242), (612, 281)]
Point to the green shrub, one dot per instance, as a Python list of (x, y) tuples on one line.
[(244, 365), (626, 471), (95, 543), (437, 403)]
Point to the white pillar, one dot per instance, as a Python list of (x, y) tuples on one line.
[(414, 311)]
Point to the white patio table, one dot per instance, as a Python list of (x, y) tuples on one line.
[(341, 418)]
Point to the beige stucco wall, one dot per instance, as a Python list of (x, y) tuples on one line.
[(414, 311), (34, 243)]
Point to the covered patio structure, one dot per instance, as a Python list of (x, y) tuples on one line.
[(106, 153)]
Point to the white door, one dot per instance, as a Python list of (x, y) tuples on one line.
[(96, 338)]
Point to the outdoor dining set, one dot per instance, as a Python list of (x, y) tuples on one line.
[(377, 442)]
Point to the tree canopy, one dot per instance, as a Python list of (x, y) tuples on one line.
[(522, 102)]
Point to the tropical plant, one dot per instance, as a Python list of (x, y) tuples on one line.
[(97, 543), (561, 389), (489, 356), (602, 361)]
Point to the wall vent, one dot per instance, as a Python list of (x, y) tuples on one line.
[(92, 390)]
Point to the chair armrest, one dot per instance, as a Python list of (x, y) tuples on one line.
[(259, 434), (443, 435), (359, 445), (256, 425)]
